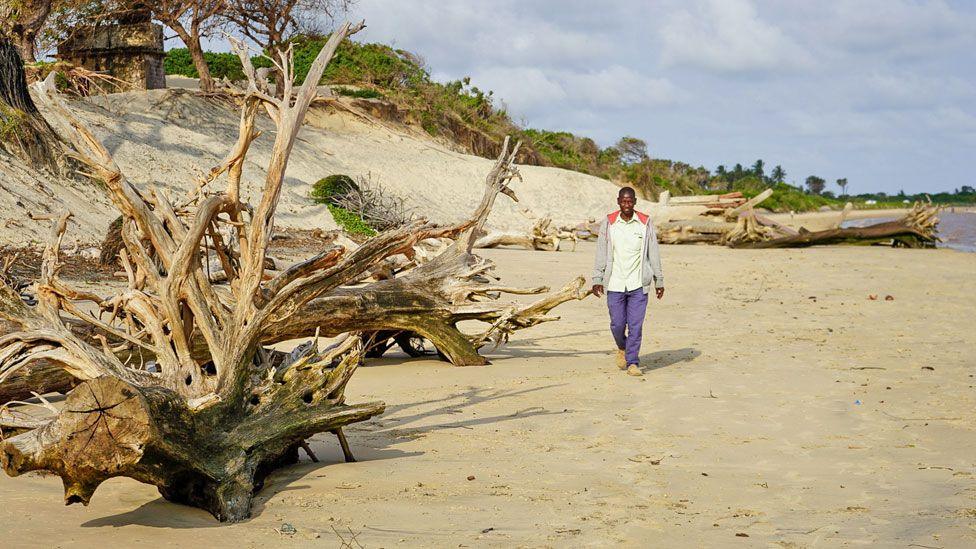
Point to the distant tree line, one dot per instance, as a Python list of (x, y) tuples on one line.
[(36, 27)]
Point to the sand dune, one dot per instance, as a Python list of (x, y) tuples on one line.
[(168, 138)]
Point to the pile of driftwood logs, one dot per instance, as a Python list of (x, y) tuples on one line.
[(743, 227), (543, 237), (732, 220), (218, 410)]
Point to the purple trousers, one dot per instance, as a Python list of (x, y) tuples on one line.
[(627, 321)]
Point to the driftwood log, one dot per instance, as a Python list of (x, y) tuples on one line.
[(542, 237), (218, 411), (915, 230)]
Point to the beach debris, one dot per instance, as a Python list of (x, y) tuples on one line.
[(928, 368), (857, 402), (916, 229), (470, 477), (542, 237), (741, 535), (287, 529), (873, 297), (587, 230), (889, 298), (370, 201), (486, 530), (224, 409)]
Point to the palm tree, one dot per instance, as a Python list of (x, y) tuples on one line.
[(842, 183), (815, 184), (737, 172), (778, 175), (758, 169)]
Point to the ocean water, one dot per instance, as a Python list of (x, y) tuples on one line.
[(957, 229)]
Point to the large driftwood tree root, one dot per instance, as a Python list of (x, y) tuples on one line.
[(204, 429), (219, 410)]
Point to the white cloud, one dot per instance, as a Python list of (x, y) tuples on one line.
[(910, 91), (727, 36), (859, 88), (894, 26), (481, 32), (523, 89), (619, 87), (533, 90)]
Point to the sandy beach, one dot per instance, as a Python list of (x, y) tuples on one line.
[(779, 407)]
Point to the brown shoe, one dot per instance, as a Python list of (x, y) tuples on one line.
[(634, 370), (621, 359)]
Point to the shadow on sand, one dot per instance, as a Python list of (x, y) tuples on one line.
[(663, 359), (371, 441)]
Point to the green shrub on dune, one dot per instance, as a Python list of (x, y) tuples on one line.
[(323, 192), (222, 65)]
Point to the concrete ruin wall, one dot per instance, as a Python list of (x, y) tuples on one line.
[(130, 52)]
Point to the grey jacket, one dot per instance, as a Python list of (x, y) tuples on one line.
[(650, 264)]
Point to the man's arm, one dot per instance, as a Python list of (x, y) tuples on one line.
[(654, 257), (600, 263)]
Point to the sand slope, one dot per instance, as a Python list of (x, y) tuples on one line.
[(168, 138), (746, 422)]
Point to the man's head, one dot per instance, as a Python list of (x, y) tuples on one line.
[(627, 199)]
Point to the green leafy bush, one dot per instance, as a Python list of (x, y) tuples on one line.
[(362, 93), (222, 65), (323, 192), (178, 61), (326, 188), (787, 198), (350, 222)]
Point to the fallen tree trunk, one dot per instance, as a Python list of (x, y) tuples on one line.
[(892, 232), (40, 377), (692, 231), (543, 237), (428, 301), (914, 230)]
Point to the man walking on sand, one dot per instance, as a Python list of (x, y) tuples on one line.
[(627, 263)]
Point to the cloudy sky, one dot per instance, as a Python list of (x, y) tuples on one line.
[(882, 92)]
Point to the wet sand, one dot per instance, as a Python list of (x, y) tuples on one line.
[(778, 403)]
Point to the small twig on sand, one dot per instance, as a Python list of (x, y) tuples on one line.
[(343, 544), (921, 418), (762, 286)]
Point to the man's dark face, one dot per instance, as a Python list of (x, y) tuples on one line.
[(626, 202)]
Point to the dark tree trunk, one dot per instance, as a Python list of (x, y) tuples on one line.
[(13, 81), (23, 131), (196, 52), (25, 45)]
